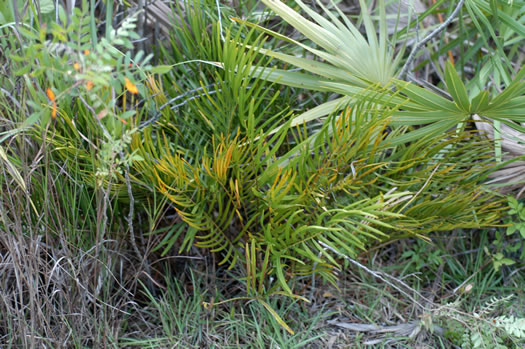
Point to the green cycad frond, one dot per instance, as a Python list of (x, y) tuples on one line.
[(202, 196), (445, 175), (244, 175), (342, 185), (355, 188)]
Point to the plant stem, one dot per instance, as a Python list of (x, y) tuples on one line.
[(428, 38)]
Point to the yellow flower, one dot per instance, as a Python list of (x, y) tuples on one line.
[(89, 85), (76, 66), (131, 87), (86, 52)]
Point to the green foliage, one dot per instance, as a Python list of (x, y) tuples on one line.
[(238, 170), (499, 30), (341, 71), (185, 320), (510, 244), (516, 220), (345, 187), (420, 256), (91, 97), (482, 329), (34, 11), (73, 67), (265, 184)]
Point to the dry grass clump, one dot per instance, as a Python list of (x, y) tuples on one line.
[(52, 294)]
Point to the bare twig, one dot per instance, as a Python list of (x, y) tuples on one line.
[(129, 219), (428, 38), (420, 189), (141, 256), (383, 277), (94, 113), (157, 114)]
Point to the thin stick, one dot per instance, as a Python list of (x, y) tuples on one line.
[(142, 257), (428, 38), (131, 211), (380, 275)]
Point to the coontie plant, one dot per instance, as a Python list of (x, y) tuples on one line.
[(237, 171), (237, 175), (286, 194)]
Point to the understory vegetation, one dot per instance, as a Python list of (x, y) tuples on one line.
[(262, 174)]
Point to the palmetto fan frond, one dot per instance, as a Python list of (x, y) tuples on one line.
[(349, 64)]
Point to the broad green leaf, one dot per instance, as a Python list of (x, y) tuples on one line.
[(369, 26), (24, 70), (127, 114), (319, 68), (161, 69), (512, 91), (280, 275), (515, 114), (321, 110), (480, 103), (440, 127), (47, 6), (28, 33), (514, 103), (456, 88), (402, 117), (31, 120), (314, 32), (292, 79), (426, 99)]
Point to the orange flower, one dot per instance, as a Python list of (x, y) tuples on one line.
[(131, 87), (89, 85), (86, 52), (54, 111), (76, 66), (51, 96)]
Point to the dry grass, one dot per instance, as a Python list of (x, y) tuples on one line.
[(53, 294), (56, 296)]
